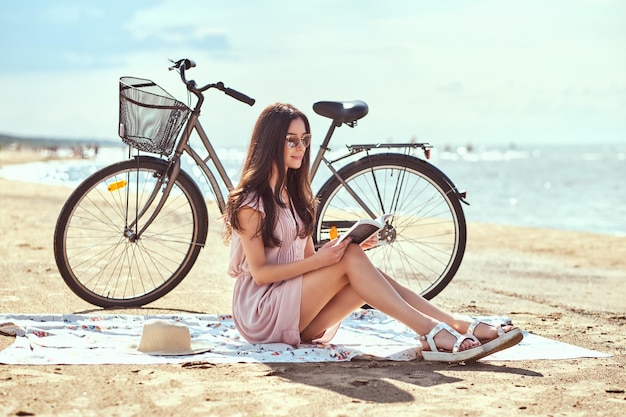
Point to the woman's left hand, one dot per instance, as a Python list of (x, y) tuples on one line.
[(331, 252)]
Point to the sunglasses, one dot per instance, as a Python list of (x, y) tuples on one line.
[(294, 140)]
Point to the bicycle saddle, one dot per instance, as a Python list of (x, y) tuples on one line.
[(341, 111)]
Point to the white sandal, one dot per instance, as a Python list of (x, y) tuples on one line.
[(497, 323), (455, 355), (504, 339)]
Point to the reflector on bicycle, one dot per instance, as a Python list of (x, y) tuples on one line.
[(117, 185)]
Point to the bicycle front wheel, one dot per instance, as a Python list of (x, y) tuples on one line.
[(98, 250), (423, 244)]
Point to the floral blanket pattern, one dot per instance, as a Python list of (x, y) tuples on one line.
[(107, 339)]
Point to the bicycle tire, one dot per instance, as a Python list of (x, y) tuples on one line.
[(428, 233), (94, 249)]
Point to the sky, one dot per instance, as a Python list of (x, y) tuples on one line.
[(446, 72)]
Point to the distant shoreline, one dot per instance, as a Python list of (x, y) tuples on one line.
[(38, 142), (17, 154), (78, 159)]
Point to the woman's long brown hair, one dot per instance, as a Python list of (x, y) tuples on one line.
[(266, 149)]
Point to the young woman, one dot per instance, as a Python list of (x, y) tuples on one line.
[(287, 292)]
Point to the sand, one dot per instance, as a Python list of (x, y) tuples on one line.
[(563, 285)]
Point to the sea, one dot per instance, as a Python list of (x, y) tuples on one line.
[(566, 187)]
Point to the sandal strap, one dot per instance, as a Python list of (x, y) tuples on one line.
[(430, 337), (460, 338), (496, 323)]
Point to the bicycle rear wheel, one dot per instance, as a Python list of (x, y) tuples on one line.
[(423, 244), (96, 246)]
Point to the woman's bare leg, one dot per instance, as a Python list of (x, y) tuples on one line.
[(337, 309), (420, 303), (482, 332), (361, 277)]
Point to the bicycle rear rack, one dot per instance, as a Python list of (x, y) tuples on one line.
[(426, 147)]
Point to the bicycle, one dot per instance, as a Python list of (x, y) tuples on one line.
[(131, 232)]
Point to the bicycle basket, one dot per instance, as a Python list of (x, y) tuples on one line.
[(150, 118)]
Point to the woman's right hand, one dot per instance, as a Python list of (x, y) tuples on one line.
[(331, 253)]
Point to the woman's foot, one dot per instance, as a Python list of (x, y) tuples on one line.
[(495, 336), (486, 332), (445, 339), (450, 346)]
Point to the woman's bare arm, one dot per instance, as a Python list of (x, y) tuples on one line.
[(263, 272)]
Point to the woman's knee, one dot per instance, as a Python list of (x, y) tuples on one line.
[(354, 255)]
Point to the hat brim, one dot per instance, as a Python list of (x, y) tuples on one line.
[(196, 348)]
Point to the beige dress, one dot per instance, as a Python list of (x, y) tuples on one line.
[(270, 313)]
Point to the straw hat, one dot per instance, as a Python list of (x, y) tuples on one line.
[(167, 338)]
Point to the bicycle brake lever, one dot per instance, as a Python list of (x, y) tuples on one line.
[(188, 63), (176, 64)]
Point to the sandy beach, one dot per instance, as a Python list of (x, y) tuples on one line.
[(563, 285)]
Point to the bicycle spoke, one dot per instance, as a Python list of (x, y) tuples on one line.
[(427, 231), (106, 263)]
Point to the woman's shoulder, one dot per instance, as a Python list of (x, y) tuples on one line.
[(253, 200)]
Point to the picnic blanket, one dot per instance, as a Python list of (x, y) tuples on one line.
[(106, 339)]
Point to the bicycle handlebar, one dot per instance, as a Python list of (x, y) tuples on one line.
[(184, 64), (235, 94)]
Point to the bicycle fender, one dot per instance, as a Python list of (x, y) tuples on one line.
[(461, 194), (150, 158)]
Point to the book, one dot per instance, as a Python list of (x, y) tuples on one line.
[(363, 229)]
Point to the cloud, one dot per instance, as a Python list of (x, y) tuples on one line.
[(451, 88), (62, 14), (447, 71), (65, 35)]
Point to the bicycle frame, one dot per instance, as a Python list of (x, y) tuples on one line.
[(352, 150), (183, 146), (174, 169), (193, 123), (427, 233)]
